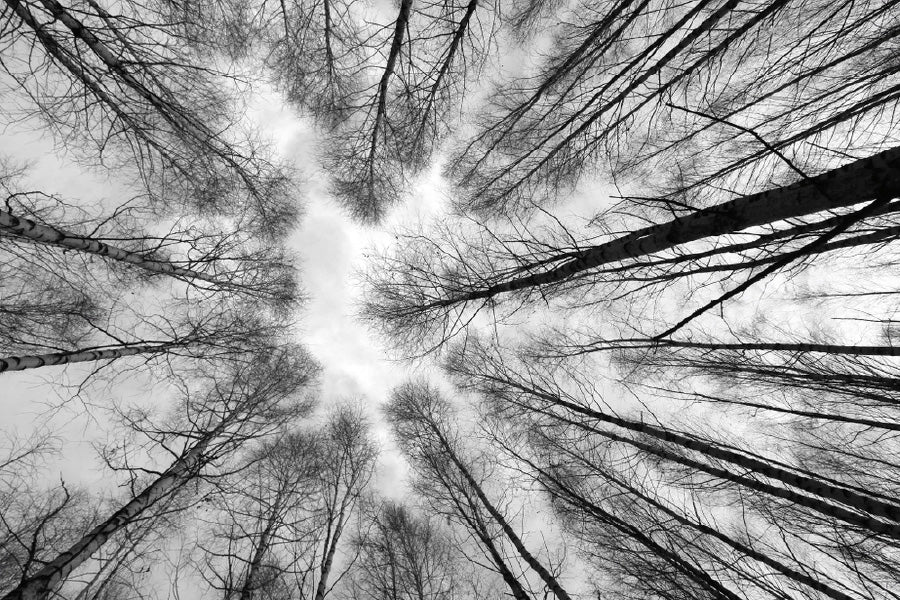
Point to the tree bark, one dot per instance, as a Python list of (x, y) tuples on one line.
[(44, 234), (328, 559), (840, 349), (35, 361)]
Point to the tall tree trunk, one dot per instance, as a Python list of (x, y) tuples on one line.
[(863, 180), (745, 549), (476, 526), (35, 361), (458, 35), (630, 531), (40, 585), (44, 234), (776, 346)]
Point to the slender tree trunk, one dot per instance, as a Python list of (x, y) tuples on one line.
[(260, 550), (43, 234), (785, 570), (529, 558), (41, 585), (580, 503), (477, 528), (840, 349), (819, 491), (863, 180), (381, 104), (458, 35), (331, 548), (35, 361)]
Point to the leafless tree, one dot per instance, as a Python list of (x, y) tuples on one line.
[(124, 80), (425, 287), (575, 435), (262, 521), (404, 108), (420, 418), (406, 556), (257, 399)]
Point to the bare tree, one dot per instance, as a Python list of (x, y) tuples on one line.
[(568, 412), (403, 112), (606, 94), (255, 401), (420, 419), (405, 556), (423, 287), (124, 78), (347, 464), (262, 528)]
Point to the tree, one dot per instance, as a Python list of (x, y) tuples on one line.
[(406, 556), (605, 93), (402, 110), (420, 419), (127, 80), (282, 522), (264, 519), (422, 287), (575, 436), (255, 401), (346, 468)]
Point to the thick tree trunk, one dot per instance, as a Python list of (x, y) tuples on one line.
[(860, 181), (35, 361), (40, 585), (43, 234)]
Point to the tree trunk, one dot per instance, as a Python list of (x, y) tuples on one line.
[(40, 585), (746, 550), (43, 234), (860, 181), (260, 550), (35, 361), (535, 564), (328, 559), (840, 349)]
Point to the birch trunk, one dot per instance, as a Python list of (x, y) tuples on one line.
[(860, 181), (35, 361), (44, 234), (40, 585), (331, 548), (840, 349)]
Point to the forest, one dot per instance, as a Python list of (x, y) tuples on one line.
[(449, 300)]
